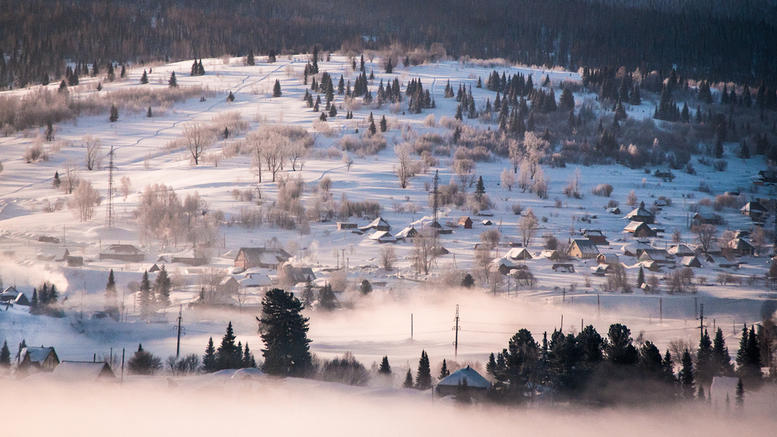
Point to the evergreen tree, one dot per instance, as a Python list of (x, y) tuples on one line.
[(228, 355), (276, 89), (744, 150), (705, 368), (333, 111), (56, 181), (111, 73), (284, 332), (172, 82), (389, 66), (740, 395), (146, 297), (720, 356), (467, 281), (718, 149), (365, 287), (144, 78), (480, 189), (385, 368), (326, 298), (162, 288), (250, 58), (749, 357), (5, 356), (34, 303), (123, 73), (444, 370), (271, 56), (383, 123), (423, 378), (209, 362), (371, 121), (408, 380), (567, 100), (110, 296), (114, 113), (143, 363), (148, 112), (686, 376), (248, 358), (640, 277), (230, 97), (619, 347)]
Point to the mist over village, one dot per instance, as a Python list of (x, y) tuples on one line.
[(305, 217)]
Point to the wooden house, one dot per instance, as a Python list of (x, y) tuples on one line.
[(754, 210), (408, 232), (465, 381), (341, 226), (84, 371), (268, 258), (465, 222), (641, 214), (122, 252), (379, 224), (583, 249), (740, 247), (38, 358), (596, 236), (640, 229)]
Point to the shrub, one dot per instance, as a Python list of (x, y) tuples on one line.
[(720, 165), (345, 370), (603, 190), (517, 208)]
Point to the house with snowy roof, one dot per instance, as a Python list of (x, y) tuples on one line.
[(465, 379), (122, 252), (84, 371), (640, 214), (640, 229), (38, 358), (264, 257), (583, 249), (379, 224)]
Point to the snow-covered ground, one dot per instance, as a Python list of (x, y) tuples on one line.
[(379, 324)]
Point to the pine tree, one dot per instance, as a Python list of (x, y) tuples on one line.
[(162, 288), (209, 362), (720, 356), (385, 368), (114, 113), (326, 298), (146, 298), (144, 78), (423, 378), (148, 112), (248, 358), (34, 303), (408, 380), (250, 58), (123, 73), (718, 149), (271, 56), (740, 395), (686, 376), (56, 181), (705, 368), (389, 66), (276, 89), (172, 82), (284, 332), (230, 97), (5, 356), (640, 277), (383, 123), (228, 356), (372, 128), (444, 370), (110, 294), (111, 73)]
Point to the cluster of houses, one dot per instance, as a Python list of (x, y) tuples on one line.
[(43, 361)]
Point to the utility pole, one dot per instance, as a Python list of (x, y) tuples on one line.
[(562, 323), (178, 343), (109, 213), (701, 321), (122, 365), (434, 195), (661, 309), (411, 326), (456, 330)]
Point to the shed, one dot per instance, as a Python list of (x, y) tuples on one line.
[(486, 222), (583, 248), (41, 358), (249, 257), (189, 257), (84, 371), (379, 224), (741, 247), (467, 379), (607, 258), (641, 214), (345, 225), (466, 222)]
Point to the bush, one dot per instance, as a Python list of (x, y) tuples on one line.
[(35, 153), (345, 370), (517, 208), (366, 208), (603, 190), (143, 363), (720, 165), (363, 145)]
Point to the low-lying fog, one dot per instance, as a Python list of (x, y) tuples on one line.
[(215, 405)]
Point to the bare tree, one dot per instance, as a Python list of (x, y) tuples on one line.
[(527, 226), (83, 200), (274, 147), (296, 155), (93, 146), (463, 169), (70, 180), (524, 178), (705, 234), (126, 186), (387, 258), (406, 166), (631, 200), (254, 141), (540, 186), (515, 154), (491, 238), (508, 179), (424, 251), (197, 139)]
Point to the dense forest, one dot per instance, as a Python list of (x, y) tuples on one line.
[(37, 37)]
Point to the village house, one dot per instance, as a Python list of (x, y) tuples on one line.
[(641, 214), (740, 247), (754, 210), (465, 380), (379, 224), (382, 237), (596, 236), (659, 256), (295, 274), (640, 229), (13, 296), (690, 261), (518, 254), (681, 250), (38, 358), (583, 249), (189, 257), (465, 222), (84, 371), (706, 218), (635, 249), (122, 252), (249, 257), (607, 259), (406, 233)]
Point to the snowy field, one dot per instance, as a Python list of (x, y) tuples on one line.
[(375, 325)]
